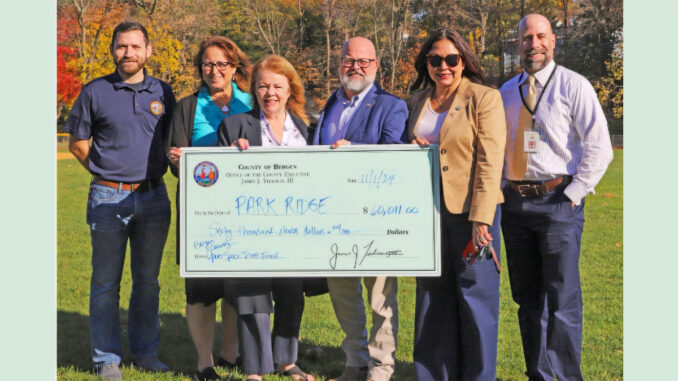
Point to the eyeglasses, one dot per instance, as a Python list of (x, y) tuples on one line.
[(221, 65), (362, 62), (435, 60)]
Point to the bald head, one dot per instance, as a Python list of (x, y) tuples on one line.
[(536, 42), (534, 19), (360, 44), (357, 65)]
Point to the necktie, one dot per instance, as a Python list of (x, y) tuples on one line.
[(519, 159), (531, 96)]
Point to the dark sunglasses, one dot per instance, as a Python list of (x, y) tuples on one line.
[(435, 60)]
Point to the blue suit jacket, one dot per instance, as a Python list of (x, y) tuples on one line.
[(380, 119)]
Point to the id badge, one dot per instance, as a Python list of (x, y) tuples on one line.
[(530, 141)]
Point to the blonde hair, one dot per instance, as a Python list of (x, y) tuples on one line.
[(279, 65)]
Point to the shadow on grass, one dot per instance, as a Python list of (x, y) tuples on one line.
[(331, 363), (175, 349)]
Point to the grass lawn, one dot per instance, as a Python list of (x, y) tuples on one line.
[(601, 272)]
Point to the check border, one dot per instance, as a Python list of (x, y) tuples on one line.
[(186, 176)]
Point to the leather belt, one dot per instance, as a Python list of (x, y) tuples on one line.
[(531, 189), (129, 187)]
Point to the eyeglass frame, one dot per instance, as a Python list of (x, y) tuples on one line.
[(457, 59), (211, 65), (345, 60)]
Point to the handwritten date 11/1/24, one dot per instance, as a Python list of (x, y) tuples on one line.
[(374, 178)]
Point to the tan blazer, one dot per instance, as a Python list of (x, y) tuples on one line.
[(472, 140)]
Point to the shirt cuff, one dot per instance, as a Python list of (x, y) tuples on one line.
[(575, 192)]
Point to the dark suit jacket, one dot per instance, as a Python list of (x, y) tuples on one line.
[(380, 119), (248, 125), (472, 140)]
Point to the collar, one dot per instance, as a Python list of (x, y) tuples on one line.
[(119, 84), (464, 88), (541, 76), (341, 95), (238, 94), (288, 117)]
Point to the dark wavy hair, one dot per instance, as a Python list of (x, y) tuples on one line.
[(234, 55), (472, 69)]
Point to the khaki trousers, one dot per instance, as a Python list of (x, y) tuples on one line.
[(347, 299)]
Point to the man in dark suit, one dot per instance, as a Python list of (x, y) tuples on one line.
[(360, 112)]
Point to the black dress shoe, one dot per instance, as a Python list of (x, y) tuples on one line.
[(223, 363), (207, 374)]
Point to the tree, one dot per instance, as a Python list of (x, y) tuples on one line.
[(96, 20), (329, 8), (309, 33), (390, 28), (164, 62), (594, 35), (272, 19), (68, 84), (610, 88)]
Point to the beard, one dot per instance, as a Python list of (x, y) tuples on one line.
[(130, 66), (535, 66), (356, 85)]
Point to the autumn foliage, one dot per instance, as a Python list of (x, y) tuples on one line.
[(309, 33), (68, 84)]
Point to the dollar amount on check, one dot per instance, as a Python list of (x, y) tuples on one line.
[(352, 211)]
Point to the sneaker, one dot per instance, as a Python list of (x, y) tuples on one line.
[(352, 373), (109, 372), (207, 374), (150, 364)]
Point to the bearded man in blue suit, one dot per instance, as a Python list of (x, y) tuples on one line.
[(360, 112)]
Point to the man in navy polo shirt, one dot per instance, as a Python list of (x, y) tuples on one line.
[(125, 114)]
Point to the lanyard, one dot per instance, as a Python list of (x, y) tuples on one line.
[(522, 97)]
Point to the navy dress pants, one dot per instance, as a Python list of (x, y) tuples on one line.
[(457, 314), (542, 235), (288, 310)]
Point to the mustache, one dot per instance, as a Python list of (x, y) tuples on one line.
[(355, 72), (535, 51)]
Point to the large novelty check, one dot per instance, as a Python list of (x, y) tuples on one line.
[(312, 211)]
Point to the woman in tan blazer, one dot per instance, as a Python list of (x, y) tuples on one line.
[(457, 314)]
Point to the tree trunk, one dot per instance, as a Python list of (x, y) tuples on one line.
[(330, 7), (300, 44), (565, 6)]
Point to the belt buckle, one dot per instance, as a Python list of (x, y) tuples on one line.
[(524, 190)]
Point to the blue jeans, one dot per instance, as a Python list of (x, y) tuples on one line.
[(116, 216)]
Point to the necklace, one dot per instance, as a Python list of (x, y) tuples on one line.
[(223, 106)]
